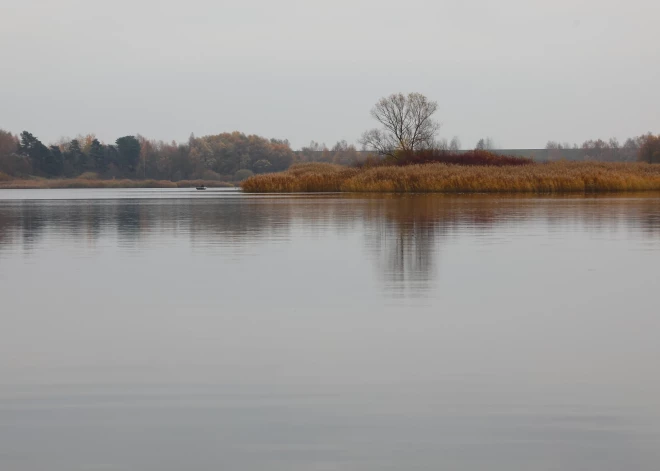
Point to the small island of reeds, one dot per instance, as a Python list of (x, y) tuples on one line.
[(413, 161), (476, 172)]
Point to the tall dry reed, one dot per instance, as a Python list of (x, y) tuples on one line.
[(558, 177), (301, 178)]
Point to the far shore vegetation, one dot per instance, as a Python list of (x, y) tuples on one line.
[(402, 154), (92, 181), (411, 160)]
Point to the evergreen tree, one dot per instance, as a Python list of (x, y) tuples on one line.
[(110, 159), (76, 157), (128, 149), (54, 165), (35, 151), (97, 156)]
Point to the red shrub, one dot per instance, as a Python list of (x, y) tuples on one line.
[(470, 157)]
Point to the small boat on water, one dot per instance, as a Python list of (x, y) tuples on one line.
[(201, 187)]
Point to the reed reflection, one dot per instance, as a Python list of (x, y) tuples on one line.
[(402, 235)]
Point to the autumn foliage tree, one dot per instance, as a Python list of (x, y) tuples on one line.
[(227, 153), (11, 163), (649, 151), (8, 143)]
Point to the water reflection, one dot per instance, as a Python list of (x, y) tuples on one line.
[(329, 332), (402, 235)]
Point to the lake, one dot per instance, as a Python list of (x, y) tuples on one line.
[(163, 330)]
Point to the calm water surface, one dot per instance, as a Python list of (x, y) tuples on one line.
[(163, 330)]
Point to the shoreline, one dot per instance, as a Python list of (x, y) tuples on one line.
[(73, 183)]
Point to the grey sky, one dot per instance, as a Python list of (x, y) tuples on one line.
[(520, 71)]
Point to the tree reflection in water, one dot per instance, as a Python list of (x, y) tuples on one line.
[(402, 234)]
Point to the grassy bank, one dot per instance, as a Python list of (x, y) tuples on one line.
[(557, 177), (38, 183)]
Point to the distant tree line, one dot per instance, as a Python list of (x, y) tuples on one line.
[(227, 156), (224, 157), (341, 153), (236, 156), (644, 148)]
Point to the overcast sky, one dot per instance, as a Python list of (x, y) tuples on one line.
[(520, 71)]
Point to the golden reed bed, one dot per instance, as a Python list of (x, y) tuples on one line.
[(557, 177)]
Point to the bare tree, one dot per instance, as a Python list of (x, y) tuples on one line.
[(441, 144), (406, 124), (649, 151), (455, 144), (485, 144), (314, 152)]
